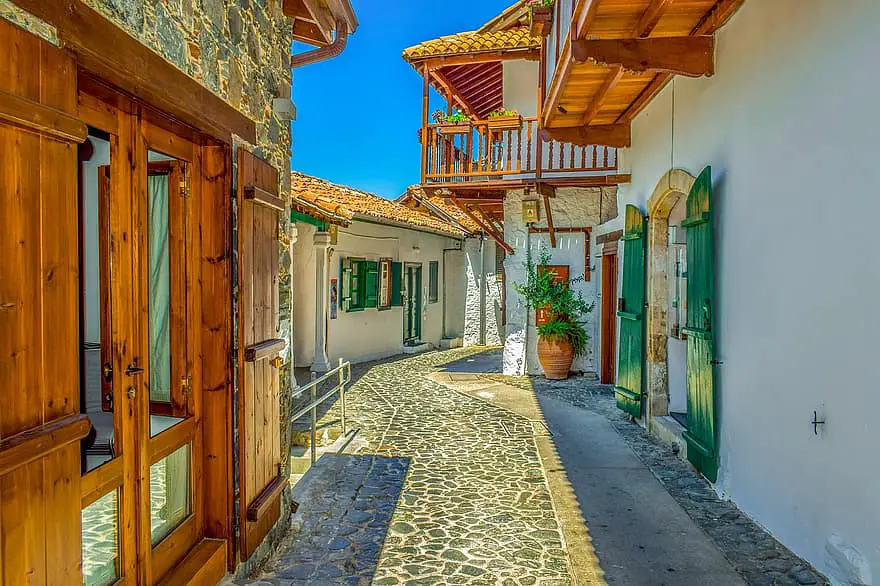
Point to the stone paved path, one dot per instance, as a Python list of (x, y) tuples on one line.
[(474, 508), (448, 487)]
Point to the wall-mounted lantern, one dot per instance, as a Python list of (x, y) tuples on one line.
[(530, 212)]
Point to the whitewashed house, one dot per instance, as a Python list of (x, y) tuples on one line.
[(374, 278), (731, 263)]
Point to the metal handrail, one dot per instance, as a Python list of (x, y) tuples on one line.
[(343, 376)]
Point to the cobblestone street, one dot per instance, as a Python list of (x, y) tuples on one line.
[(454, 479)]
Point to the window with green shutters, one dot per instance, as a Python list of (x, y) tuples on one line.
[(361, 281), (433, 281)]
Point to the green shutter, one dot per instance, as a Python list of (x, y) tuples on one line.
[(371, 284), (433, 281), (345, 284), (701, 432), (631, 312), (397, 284)]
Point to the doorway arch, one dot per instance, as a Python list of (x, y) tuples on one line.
[(672, 188)]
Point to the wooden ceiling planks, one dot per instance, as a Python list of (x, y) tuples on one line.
[(600, 94), (480, 86)]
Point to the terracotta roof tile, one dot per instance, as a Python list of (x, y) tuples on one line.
[(348, 202), (474, 42)]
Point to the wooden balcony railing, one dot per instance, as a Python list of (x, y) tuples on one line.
[(503, 149)]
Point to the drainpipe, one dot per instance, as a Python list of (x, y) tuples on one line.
[(482, 290), (323, 53)]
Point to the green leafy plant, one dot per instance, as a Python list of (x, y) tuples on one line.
[(457, 117), (532, 4), (503, 113), (565, 306), (563, 329)]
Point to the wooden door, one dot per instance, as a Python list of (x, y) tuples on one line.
[(631, 310), (40, 420), (260, 394), (165, 374), (701, 433), (413, 321), (609, 319)]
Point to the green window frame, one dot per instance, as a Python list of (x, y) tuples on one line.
[(433, 281), (360, 284)]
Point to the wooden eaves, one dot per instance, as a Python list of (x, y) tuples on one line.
[(622, 73)]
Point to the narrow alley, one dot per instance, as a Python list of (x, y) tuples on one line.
[(459, 475)]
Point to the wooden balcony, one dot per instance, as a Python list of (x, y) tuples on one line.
[(500, 151)]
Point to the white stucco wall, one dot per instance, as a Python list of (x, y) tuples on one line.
[(370, 334), (789, 124), (572, 208), (455, 289), (481, 326), (303, 283)]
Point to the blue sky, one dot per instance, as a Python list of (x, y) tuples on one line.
[(358, 114)]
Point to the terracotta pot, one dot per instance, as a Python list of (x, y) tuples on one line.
[(556, 358)]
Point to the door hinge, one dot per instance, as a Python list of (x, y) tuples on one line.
[(184, 183), (186, 385)]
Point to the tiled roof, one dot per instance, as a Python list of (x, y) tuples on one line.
[(453, 211), (348, 202), (474, 42)]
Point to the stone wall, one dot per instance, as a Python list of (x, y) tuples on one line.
[(481, 322), (572, 208)]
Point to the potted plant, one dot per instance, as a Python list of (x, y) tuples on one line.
[(504, 119), (456, 123), (540, 17), (561, 337)]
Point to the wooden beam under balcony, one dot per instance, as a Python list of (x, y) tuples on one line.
[(689, 56), (483, 225), (613, 135)]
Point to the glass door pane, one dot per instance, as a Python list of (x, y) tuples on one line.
[(166, 276), (170, 493), (100, 541)]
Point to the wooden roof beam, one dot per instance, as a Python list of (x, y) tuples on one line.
[(457, 73), (485, 227), (689, 56), (651, 18), (469, 86), (489, 57), (450, 91), (613, 135)]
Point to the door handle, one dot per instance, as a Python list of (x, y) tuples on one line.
[(133, 370)]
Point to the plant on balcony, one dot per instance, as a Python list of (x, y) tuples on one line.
[(540, 17), (456, 123), (504, 119), (562, 337)]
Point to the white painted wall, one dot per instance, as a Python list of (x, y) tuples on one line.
[(455, 289), (482, 326), (790, 125), (370, 334), (572, 208), (304, 293)]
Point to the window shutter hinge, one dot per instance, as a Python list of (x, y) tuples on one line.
[(184, 183), (186, 385)]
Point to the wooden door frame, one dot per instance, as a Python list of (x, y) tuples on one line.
[(609, 315), (208, 227)]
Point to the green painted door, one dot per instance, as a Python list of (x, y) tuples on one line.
[(413, 326), (701, 433), (631, 310)]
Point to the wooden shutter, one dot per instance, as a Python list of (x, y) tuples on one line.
[(397, 284), (631, 310), (371, 284), (700, 434), (259, 393), (40, 423), (345, 284)]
